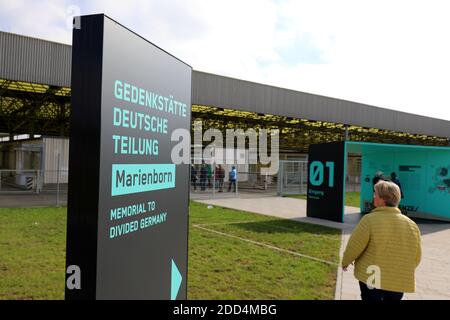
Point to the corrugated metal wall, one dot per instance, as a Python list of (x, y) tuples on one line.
[(34, 60), (51, 148), (213, 90)]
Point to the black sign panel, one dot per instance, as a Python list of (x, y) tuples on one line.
[(128, 200), (326, 181)]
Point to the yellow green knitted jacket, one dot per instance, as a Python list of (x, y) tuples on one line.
[(389, 240)]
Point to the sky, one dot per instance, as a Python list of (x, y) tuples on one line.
[(392, 54)]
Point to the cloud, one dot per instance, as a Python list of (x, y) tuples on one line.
[(43, 19), (392, 54)]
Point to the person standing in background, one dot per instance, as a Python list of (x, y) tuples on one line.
[(194, 177), (209, 175), (203, 177), (220, 177), (232, 178), (397, 182)]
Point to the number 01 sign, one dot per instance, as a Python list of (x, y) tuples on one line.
[(326, 181)]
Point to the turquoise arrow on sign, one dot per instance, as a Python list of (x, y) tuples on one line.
[(176, 281)]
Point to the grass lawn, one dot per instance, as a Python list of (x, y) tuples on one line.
[(352, 199), (226, 258), (32, 253)]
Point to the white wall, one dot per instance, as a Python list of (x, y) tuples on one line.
[(51, 148)]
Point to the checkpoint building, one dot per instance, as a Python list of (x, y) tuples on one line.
[(35, 107)]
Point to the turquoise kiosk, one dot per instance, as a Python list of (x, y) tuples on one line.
[(423, 171)]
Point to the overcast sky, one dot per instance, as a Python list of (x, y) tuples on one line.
[(393, 54)]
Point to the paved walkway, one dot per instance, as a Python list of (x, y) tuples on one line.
[(432, 275), (32, 200)]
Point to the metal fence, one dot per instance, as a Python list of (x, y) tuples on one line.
[(255, 181), (214, 184), (353, 183), (19, 181), (48, 187), (33, 181), (292, 177)]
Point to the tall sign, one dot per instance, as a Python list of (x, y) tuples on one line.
[(128, 201), (326, 181)]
